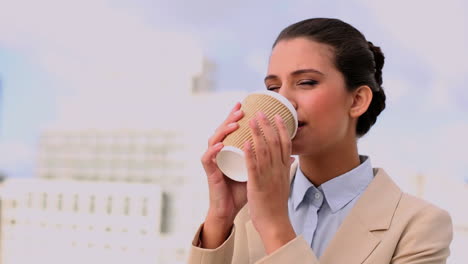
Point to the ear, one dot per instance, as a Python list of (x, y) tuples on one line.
[(362, 98)]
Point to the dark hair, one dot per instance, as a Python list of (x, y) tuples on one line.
[(357, 59)]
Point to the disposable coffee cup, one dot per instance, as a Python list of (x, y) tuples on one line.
[(231, 158)]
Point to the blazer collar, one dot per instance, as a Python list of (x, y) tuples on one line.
[(377, 203), (374, 211)]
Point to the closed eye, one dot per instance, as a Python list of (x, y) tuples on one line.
[(273, 88), (308, 82)]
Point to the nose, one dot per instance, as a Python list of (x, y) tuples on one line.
[(288, 94)]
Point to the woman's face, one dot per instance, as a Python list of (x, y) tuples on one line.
[(303, 71)]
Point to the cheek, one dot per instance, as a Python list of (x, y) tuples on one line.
[(330, 112), (328, 103)]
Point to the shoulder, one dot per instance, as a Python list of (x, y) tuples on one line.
[(417, 206), (407, 205), (422, 214), (425, 231), (387, 206), (418, 230)]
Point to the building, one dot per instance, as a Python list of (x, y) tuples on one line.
[(121, 188), (111, 156), (83, 173), (204, 82), (60, 221)]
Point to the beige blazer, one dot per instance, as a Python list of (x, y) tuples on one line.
[(384, 226)]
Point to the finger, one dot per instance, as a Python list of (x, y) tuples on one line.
[(234, 114), (251, 163), (271, 138), (208, 159), (284, 139), (261, 151), (220, 133)]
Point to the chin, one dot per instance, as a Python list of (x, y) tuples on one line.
[(297, 149), (302, 147)]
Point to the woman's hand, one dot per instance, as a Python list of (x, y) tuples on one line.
[(226, 196), (268, 163)]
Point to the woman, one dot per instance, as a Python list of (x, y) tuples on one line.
[(330, 205)]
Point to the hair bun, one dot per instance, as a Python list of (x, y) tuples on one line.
[(379, 59)]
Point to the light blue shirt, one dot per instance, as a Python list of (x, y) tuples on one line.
[(317, 213)]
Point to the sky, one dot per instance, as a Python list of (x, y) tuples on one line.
[(89, 61)]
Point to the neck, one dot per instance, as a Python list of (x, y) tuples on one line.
[(322, 167)]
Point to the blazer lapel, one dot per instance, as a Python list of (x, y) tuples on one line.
[(355, 240), (353, 243)]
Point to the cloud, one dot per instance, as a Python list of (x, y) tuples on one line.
[(397, 88), (106, 62), (257, 61), (436, 152), (434, 31)]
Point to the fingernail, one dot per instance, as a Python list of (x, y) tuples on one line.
[(235, 105), (238, 112), (247, 144), (253, 122), (231, 125), (217, 145)]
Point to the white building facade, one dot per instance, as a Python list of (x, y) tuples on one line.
[(60, 221)]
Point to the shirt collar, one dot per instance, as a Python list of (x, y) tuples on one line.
[(300, 185), (338, 191)]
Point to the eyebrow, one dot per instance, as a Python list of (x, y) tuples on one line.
[(298, 72)]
